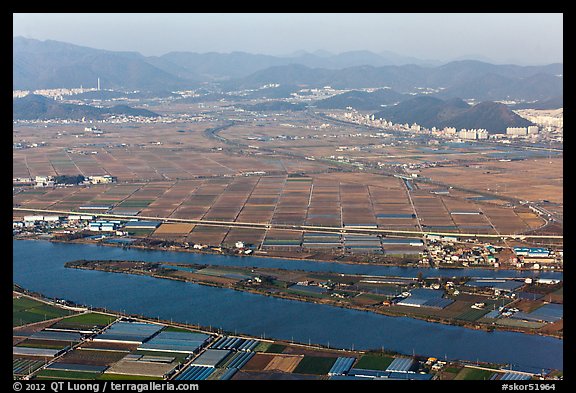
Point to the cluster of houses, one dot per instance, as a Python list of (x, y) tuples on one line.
[(442, 252), (50, 181)]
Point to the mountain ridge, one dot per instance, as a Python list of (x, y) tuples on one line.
[(53, 64), (434, 112)]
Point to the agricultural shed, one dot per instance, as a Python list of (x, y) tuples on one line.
[(129, 332), (238, 344), (239, 360), (402, 365), (402, 241), (547, 313), (514, 377), (529, 295), (142, 224), (360, 372), (182, 342), (423, 297), (410, 376), (57, 336), (44, 352), (342, 365), (211, 357), (308, 288), (501, 284), (195, 373)]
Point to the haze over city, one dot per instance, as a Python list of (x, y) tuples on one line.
[(516, 38)]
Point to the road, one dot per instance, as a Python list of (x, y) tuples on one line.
[(309, 228)]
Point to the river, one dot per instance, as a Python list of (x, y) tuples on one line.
[(39, 266)]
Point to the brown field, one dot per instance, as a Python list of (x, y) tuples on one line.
[(28, 330), (258, 362), (533, 179), (283, 363), (527, 305), (111, 346), (365, 301), (244, 375), (38, 343), (92, 357), (553, 328), (284, 200), (206, 278), (175, 170), (130, 367), (174, 228)]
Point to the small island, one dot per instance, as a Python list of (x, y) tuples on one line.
[(528, 306)]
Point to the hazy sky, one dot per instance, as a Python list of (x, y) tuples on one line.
[(523, 38)]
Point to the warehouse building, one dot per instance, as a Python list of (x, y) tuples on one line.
[(532, 251), (422, 297), (142, 224)]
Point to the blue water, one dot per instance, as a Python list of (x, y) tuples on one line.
[(91, 251), (38, 266)]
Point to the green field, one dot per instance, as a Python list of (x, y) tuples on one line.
[(86, 321), (472, 314), (262, 346), (110, 202), (520, 323), (62, 374), (306, 293), (274, 348), (374, 362), (25, 311), (314, 365), (453, 370), (474, 374), (113, 377), (140, 231), (136, 203)]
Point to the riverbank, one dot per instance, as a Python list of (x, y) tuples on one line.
[(269, 348), (39, 266), (340, 290), (349, 259)]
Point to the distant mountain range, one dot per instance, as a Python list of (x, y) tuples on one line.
[(362, 100), (52, 64), (552, 103), (465, 79), (434, 112), (36, 107)]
